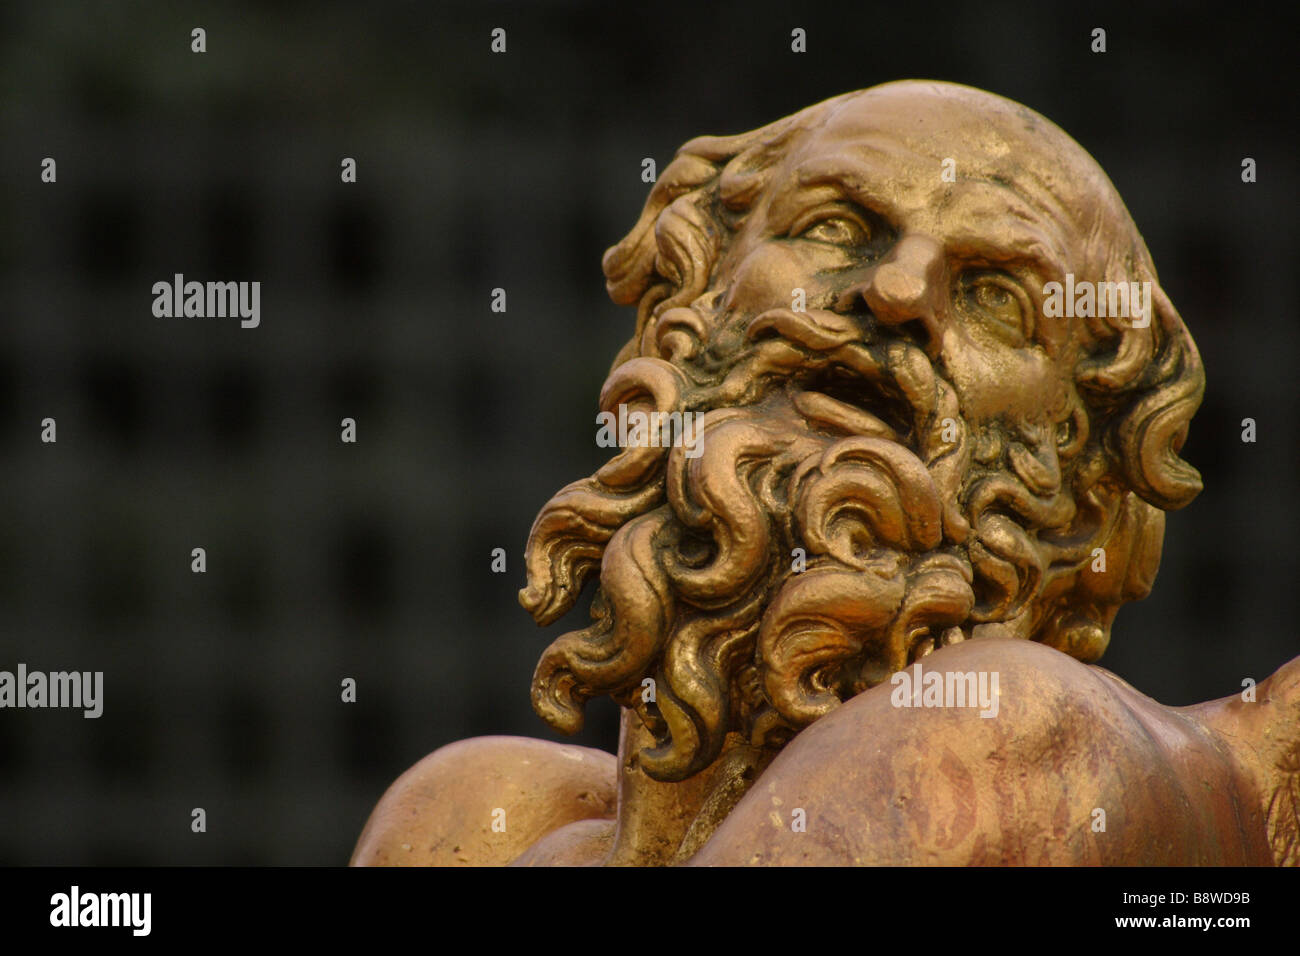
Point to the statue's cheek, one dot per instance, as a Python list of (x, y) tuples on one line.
[(993, 382), (782, 274)]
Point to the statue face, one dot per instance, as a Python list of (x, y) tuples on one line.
[(900, 445), (860, 216)]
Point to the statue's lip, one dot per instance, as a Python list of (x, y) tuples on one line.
[(854, 391), (817, 329), (823, 409)]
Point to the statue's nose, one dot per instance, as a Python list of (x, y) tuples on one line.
[(905, 287)]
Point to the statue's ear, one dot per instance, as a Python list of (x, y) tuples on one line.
[(668, 258), (1156, 379), (667, 254), (634, 264)]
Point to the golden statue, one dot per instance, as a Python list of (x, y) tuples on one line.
[(923, 401)]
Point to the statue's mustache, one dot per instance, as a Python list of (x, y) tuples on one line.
[(852, 380), (847, 374)]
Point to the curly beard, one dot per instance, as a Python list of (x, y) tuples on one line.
[(837, 521)]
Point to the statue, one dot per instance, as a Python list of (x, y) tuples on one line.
[(922, 402)]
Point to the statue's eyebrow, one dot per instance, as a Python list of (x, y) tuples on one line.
[(858, 179), (1022, 236), (992, 222), (995, 226), (1018, 243)]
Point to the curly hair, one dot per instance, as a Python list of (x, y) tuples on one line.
[(897, 549)]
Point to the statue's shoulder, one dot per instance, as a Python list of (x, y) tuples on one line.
[(903, 774), (483, 801), (988, 698)]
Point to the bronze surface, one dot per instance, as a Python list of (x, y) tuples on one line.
[(904, 452)]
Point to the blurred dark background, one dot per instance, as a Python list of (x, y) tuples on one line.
[(477, 171)]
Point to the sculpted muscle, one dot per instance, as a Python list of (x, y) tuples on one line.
[(944, 786), (484, 801)]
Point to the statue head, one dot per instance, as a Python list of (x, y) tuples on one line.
[(939, 394)]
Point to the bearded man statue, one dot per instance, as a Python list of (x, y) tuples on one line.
[(935, 401)]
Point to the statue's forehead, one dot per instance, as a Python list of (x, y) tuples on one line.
[(921, 112), (913, 134), (946, 166)]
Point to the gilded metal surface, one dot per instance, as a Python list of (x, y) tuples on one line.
[(932, 402)]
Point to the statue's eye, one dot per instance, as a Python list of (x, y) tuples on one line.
[(836, 225), (998, 304)]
